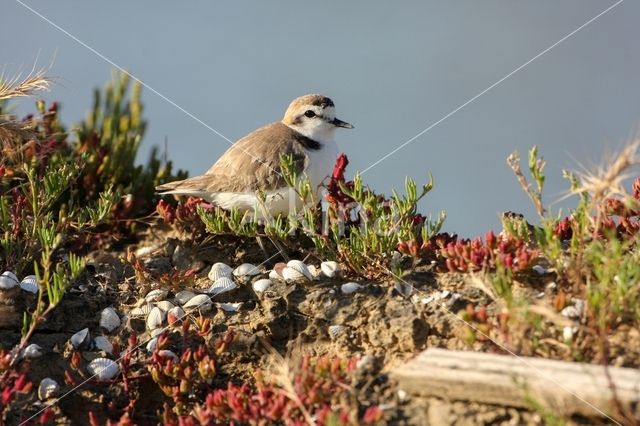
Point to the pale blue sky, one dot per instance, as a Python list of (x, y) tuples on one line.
[(392, 68)]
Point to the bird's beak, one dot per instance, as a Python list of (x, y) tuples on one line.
[(340, 123)]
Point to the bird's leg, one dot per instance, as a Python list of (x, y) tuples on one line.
[(276, 244)]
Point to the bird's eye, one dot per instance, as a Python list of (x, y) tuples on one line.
[(309, 113)]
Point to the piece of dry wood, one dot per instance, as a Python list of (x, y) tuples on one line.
[(564, 387)]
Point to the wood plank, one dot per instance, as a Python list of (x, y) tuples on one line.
[(565, 387)]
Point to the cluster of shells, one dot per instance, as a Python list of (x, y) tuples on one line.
[(9, 280)]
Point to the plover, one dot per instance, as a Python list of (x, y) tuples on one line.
[(248, 175)]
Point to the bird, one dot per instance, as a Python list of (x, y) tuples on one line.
[(248, 176)]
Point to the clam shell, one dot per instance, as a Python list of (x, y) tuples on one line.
[(221, 285), (183, 296), (230, 307), (155, 318), (142, 311), (166, 353), (351, 287), (261, 285), (103, 344), (337, 330), (103, 368), (175, 314), (274, 275), (299, 266), (48, 388), (571, 312), (315, 272), (165, 305), (30, 284), (8, 280), (404, 289), (109, 319), (152, 344), (246, 270), (201, 302), (156, 332), (330, 268), (156, 295), (32, 351), (81, 339), (219, 270)]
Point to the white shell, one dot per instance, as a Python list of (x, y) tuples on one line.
[(330, 268), (32, 351), (348, 288), (221, 285), (152, 344), (201, 302), (539, 269), (246, 269), (274, 275), (109, 319), (80, 339), (165, 305), (48, 388), (8, 280), (299, 266), (30, 284), (156, 295), (567, 333), (156, 332), (571, 312), (166, 353), (175, 314), (219, 270), (336, 330), (261, 285), (103, 368), (142, 311), (103, 344), (155, 318), (183, 296), (230, 307), (404, 289), (315, 272)]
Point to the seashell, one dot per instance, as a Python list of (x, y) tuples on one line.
[(568, 332), (299, 266), (32, 351), (166, 353), (571, 312), (156, 332), (109, 319), (246, 270), (81, 339), (48, 388), (164, 305), (142, 311), (337, 330), (103, 368), (230, 307), (183, 296), (315, 272), (539, 269), (175, 314), (30, 284), (221, 285), (348, 288), (152, 344), (274, 275), (579, 304), (290, 275), (404, 289), (8, 280), (330, 268), (201, 302), (156, 295), (103, 344), (219, 270), (261, 285), (155, 318)]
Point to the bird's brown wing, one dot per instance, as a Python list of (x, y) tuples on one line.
[(251, 164)]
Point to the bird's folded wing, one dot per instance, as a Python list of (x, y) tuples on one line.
[(251, 164)]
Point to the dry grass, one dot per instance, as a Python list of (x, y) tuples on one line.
[(17, 86)]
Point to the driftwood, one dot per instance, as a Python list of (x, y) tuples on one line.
[(566, 388)]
